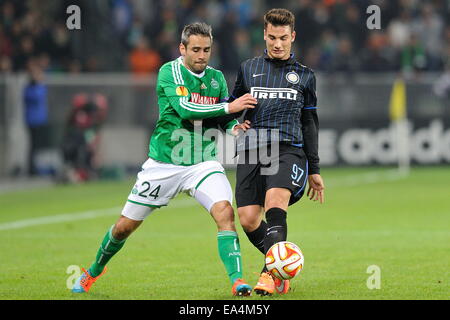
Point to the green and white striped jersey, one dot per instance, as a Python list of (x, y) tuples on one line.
[(184, 99)]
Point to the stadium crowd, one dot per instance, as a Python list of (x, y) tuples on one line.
[(331, 34)]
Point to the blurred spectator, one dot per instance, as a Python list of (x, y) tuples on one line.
[(328, 48), (168, 36), (167, 46), (74, 66), (24, 53), (442, 85), (36, 115), (410, 30), (442, 89), (376, 56), (8, 14), (306, 26), (122, 15), (344, 60), (429, 30), (399, 30), (312, 58), (242, 41), (92, 64), (58, 48), (5, 44), (5, 64), (216, 10), (136, 33), (412, 56), (351, 26), (242, 9), (82, 137), (229, 59), (143, 59)]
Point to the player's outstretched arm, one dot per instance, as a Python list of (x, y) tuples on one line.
[(178, 95), (247, 101), (193, 111)]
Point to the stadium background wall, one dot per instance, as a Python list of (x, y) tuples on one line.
[(354, 119)]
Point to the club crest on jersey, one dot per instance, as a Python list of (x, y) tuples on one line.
[(273, 93), (182, 91), (214, 84), (292, 77)]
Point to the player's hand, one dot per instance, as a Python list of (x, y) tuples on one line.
[(247, 101), (241, 127), (316, 188)]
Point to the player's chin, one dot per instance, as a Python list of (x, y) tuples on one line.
[(278, 54), (200, 67)]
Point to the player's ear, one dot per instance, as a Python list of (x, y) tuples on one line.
[(182, 49), (293, 36), (265, 34)]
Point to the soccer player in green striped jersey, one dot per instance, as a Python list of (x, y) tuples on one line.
[(189, 92)]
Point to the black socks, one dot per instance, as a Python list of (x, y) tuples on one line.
[(256, 236), (276, 227), (270, 232)]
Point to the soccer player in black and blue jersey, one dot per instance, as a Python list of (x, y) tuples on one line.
[(287, 104)]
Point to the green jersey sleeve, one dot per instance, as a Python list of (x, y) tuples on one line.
[(178, 96), (225, 122), (224, 95)]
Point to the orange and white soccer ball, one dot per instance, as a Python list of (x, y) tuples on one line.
[(284, 260)]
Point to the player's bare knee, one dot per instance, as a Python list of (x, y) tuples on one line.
[(121, 232), (250, 217), (249, 225), (124, 227), (277, 198), (275, 204), (249, 221), (222, 208)]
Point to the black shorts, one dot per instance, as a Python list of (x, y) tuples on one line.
[(253, 180)]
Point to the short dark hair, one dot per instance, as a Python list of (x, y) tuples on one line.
[(279, 17), (196, 28)]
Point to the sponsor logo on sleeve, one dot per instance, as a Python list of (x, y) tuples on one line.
[(182, 91)]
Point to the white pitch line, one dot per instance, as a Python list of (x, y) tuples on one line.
[(84, 215), (349, 181), (18, 224), (366, 178)]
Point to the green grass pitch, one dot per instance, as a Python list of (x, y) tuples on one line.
[(399, 224)]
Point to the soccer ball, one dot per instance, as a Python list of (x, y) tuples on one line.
[(284, 260)]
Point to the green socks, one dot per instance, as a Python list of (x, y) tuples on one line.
[(109, 247), (230, 253), (228, 244)]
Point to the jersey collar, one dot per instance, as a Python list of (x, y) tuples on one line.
[(198, 75)]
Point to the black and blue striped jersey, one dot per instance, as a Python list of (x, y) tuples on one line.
[(287, 102)]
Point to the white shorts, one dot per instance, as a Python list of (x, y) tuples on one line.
[(158, 182)]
